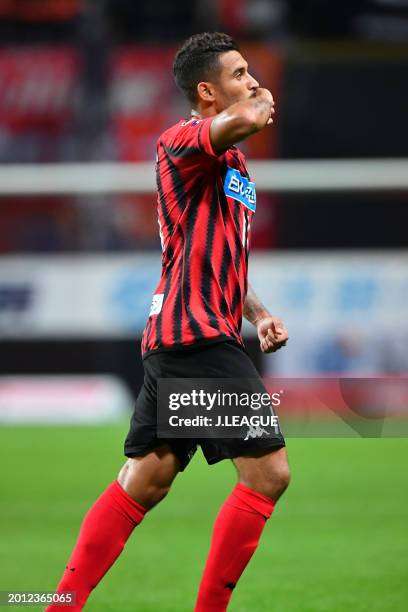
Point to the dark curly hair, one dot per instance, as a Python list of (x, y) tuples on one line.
[(198, 60)]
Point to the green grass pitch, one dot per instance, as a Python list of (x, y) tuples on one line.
[(338, 540)]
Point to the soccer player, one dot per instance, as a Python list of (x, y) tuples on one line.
[(206, 202)]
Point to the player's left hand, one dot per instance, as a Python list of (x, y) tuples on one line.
[(272, 334)]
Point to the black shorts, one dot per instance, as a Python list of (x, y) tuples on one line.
[(220, 360)]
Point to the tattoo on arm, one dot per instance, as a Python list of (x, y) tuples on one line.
[(254, 310)]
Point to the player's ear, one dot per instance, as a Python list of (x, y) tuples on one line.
[(205, 91)]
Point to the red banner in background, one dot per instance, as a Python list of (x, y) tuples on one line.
[(141, 100), (37, 88), (141, 94)]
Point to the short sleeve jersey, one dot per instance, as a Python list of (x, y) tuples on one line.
[(206, 202)]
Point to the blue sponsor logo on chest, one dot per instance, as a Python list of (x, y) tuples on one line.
[(240, 188)]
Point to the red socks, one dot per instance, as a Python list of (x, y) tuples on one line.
[(236, 533), (110, 521), (103, 534)]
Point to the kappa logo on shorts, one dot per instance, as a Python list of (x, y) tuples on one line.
[(256, 432), (240, 188), (157, 304)]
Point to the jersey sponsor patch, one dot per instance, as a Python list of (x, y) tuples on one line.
[(157, 303), (240, 188), (191, 121)]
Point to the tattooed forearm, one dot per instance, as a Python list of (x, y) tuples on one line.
[(254, 310)]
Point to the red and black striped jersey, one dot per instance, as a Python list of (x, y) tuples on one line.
[(206, 202)]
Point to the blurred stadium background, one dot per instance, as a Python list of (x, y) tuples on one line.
[(85, 89)]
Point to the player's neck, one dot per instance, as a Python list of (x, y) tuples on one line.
[(203, 113)]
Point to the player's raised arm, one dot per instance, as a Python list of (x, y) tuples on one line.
[(242, 119)]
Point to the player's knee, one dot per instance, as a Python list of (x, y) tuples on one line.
[(273, 481), (155, 494), (280, 479), (150, 495), (145, 483)]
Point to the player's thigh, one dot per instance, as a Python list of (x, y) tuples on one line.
[(266, 471)]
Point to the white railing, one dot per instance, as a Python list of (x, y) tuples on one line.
[(272, 176)]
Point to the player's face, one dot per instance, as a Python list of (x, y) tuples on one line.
[(234, 82)]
